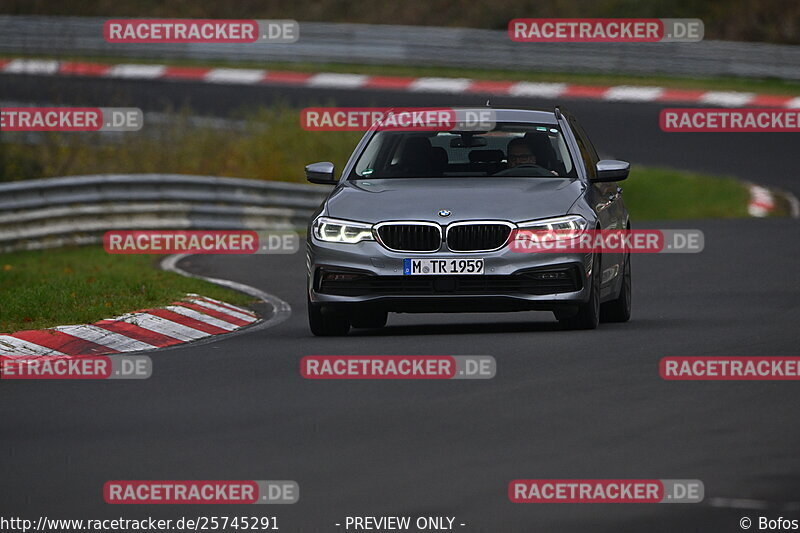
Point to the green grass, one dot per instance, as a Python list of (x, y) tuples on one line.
[(761, 86), (46, 288), (258, 153), (662, 193)]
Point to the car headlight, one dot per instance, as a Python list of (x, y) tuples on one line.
[(334, 230), (566, 227)]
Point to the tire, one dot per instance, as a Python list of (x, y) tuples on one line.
[(588, 315), (368, 318), (619, 310), (327, 322)]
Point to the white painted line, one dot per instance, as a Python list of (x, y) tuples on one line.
[(282, 310), (221, 309), (164, 326), (335, 80), (440, 85), (136, 71), (32, 66), (11, 346), (202, 317), (225, 304), (544, 90), (629, 93), (103, 337), (726, 99), (235, 75)]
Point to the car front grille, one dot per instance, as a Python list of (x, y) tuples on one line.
[(550, 280), (477, 237), (411, 237)]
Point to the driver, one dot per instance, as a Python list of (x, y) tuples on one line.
[(519, 153)]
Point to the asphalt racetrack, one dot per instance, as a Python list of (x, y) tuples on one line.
[(564, 404)]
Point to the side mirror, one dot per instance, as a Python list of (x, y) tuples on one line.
[(321, 173), (612, 170)]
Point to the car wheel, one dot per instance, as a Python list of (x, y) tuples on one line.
[(368, 318), (588, 315), (619, 310), (327, 322)]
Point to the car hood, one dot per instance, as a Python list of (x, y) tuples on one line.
[(512, 199)]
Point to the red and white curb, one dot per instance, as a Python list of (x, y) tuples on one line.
[(328, 80), (193, 318), (762, 203)]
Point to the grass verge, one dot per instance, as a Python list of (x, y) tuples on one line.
[(46, 288), (653, 193)]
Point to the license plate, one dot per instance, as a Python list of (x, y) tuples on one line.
[(444, 266)]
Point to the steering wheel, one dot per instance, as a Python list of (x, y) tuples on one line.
[(527, 165), (524, 169)]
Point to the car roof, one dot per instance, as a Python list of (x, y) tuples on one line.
[(519, 115)]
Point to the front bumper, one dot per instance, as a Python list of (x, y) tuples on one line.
[(367, 274)]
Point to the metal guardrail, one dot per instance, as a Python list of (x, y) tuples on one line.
[(53, 212), (418, 45)]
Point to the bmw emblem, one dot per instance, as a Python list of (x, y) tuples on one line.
[(444, 213)]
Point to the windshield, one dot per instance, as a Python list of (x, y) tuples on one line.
[(510, 150)]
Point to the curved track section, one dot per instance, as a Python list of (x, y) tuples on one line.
[(564, 404)]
